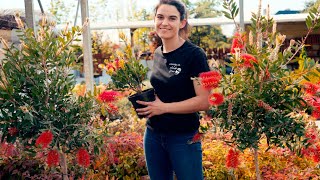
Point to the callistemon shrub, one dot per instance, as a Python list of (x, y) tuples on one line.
[(35, 89), (262, 97)]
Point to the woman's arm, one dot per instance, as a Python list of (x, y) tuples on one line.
[(198, 103)]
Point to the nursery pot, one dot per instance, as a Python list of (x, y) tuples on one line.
[(146, 95)]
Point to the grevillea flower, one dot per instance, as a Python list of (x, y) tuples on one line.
[(216, 99), (232, 160), (53, 158), (44, 139), (210, 79), (248, 60), (238, 42), (83, 157), (311, 88), (108, 96)]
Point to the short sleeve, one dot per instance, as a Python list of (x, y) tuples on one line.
[(199, 63)]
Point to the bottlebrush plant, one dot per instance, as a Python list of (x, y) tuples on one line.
[(35, 94), (262, 97)]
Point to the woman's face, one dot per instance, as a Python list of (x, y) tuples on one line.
[(167, 22)]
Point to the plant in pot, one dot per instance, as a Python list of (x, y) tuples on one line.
[(128, 74)]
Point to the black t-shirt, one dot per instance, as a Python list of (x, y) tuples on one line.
[(171, 79)]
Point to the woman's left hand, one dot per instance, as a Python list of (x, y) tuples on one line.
[(153, 108)]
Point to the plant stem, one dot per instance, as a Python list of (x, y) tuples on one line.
[(64, 167), (256, 163)]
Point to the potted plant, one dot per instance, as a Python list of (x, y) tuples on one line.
[(127, 73)]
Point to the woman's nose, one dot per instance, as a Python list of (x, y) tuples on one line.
[(165, 21)]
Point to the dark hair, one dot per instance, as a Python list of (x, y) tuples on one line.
[(184, 32)]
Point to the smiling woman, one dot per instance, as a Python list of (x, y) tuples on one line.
[(173, 117)]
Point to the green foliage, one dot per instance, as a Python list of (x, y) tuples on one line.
[(35, 91), (125, 69), (264, 98)]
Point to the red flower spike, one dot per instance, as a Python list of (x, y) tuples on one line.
[(196, 138), (83, 157), (232, 160), (311, 88), (112, 109), (316, 113), (211, 74), (108, 96), (210, 79), (44, 139), (248, 60), (216, 99), (53, 158), (238, 42)]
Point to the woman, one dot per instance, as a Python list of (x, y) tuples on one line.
[(173, 120)]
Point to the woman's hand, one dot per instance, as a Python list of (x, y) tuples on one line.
[(153, 108)]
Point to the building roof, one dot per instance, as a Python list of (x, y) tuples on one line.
[(195, 22), (288, 11)]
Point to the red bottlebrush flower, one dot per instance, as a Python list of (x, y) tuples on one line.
[(232, 160), (196, 138), (108, 96), (248, 60), (13, 131), (311, 88), (44, 139), (216, 99), (53, 158), (211, 74), (210, 79), (112, 109), (83, 157), (316, 154), (238, 42), (265, 106), (312, 134), (316, 113)]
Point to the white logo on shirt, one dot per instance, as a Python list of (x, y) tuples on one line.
[(174, 68)]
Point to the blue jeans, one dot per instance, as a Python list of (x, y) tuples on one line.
[(168, 153)]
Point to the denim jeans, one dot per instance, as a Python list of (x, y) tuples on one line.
[(168, 153)]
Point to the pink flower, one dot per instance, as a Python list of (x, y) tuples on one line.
[(108, 96), (83, 157), (232, 160), (44, 139), (53, 158), (216, 99), (8, 150), (238, 42)]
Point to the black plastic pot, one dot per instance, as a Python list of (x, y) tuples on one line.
[(146, 95)]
